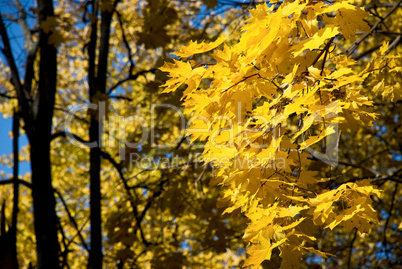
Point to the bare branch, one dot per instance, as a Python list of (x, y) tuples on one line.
[(355, 44), (121, 97), (29, 68), (24, 26), (7, 52), (394, 43), (371, 171), (367, 52), (7, 96), (131, 77), (381, 5), (11, 181), (130, 196), (9, 17), (351, 248), (326, 49), (72, 219), (125, 41), (65, 134), (385, 243)]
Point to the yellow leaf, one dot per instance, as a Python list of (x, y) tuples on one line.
[(315, 41), (315, 73), (308, 177), (314, 139), (195, 48), (179, 72), (294, 224), (384, 47), (351, 21), (261, 251), (320, 253)]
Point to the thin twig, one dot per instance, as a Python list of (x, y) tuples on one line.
[(355, 44), (394, 43), (351, 248), (326, 48), (384, 240), (130, 77), (72, 219)]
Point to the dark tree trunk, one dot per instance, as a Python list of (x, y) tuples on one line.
[(95, 254), (16, 189), (97, 87), (45, 219), (8, 256)]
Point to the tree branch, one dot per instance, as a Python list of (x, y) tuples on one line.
[(371, 171), (24, 26), (351, 248), (385, 243), (123, 34), (7, 52), (4, 95), (381, 5), (367, 52), (65, 134), (355, 44), (130, 196), (20, 181), (121, 97), (63, 253), (394, 43), (326, 49), (130, 77), (72, 219)]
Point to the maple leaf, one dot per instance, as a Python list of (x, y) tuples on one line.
[(315, 41), (181, 73), (351, 21), (290, 257), (195, 48), (261, 251)]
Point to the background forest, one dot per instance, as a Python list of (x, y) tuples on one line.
[(114, 182)]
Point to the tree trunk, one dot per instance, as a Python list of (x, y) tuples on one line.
[(97, 87), (45, 219)]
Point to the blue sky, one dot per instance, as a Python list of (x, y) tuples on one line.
[(6, 145)]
